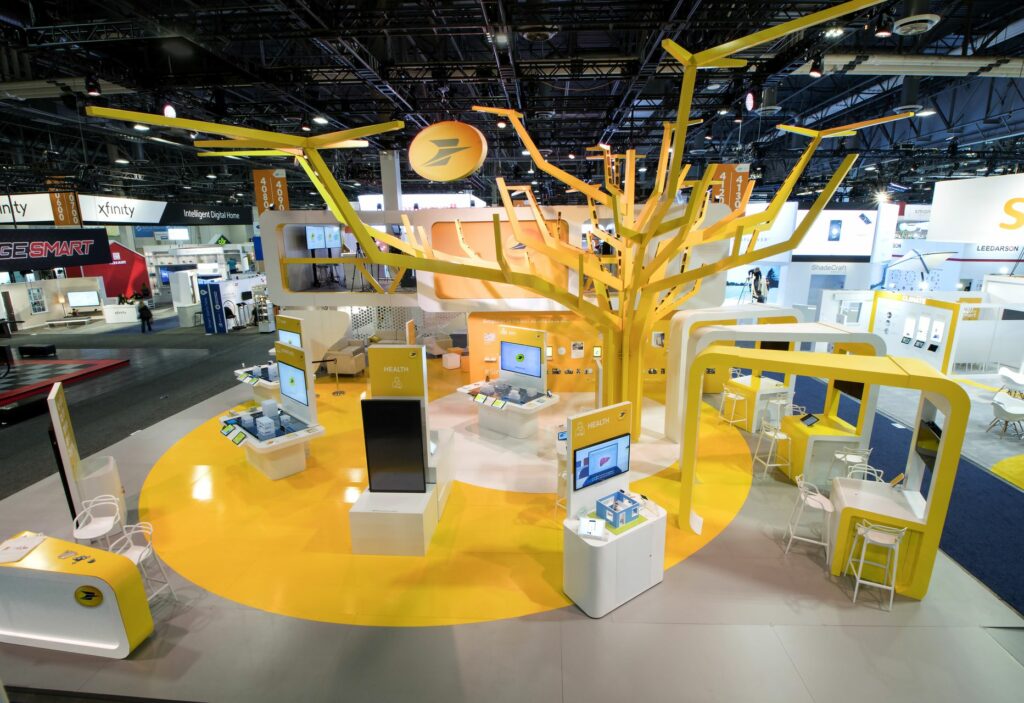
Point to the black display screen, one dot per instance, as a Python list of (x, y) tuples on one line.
[(396, 453), (927, 446), (777, 346), (850, 388)]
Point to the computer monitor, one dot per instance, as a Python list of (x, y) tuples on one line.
[(293, 383), (83, 299), (599, 462), (332, 237), (927, 445), (520, 358), (850, 388), (777, 346), (315, 238), (292, 338), (246, 295), (396, 448)]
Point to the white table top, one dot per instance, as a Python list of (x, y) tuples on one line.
[(652, 511), (768, 384), (878, 497)]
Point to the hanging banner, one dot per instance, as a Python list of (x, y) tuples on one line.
[(731, 182), (38, 208), (64, 204), (979, 210), (271, 189), (25, 207), (25, 249)]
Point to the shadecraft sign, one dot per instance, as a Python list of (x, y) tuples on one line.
[(979, 210), (24, 249), (34, 208)]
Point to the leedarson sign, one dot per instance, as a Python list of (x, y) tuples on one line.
[(26, 249)]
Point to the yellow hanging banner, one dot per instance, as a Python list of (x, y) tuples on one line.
[(398, 370)]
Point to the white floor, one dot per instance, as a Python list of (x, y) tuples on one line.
[(738, 621)]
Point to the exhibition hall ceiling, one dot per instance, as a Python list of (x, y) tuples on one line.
[(581, 72)]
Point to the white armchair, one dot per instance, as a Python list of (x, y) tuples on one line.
[(349, 361)]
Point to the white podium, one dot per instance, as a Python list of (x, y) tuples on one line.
[(403, 524), (600, 575)]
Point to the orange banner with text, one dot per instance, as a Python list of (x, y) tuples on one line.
[(271, 189), (732, 179), (64, 203)]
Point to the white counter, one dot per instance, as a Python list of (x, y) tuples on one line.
[(600, 575)]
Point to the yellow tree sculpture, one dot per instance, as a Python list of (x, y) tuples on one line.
[(652, 272)]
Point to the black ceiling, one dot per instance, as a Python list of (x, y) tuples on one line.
[(582, 72)]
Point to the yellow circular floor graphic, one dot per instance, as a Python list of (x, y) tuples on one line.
[(283, 546)]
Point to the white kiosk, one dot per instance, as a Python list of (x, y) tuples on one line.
[(509, 405), (275, 435), (608, 560), (263, 380)]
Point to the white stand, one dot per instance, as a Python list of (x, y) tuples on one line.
[(281, 457), (393, 523), (599, 575), (403, 523)]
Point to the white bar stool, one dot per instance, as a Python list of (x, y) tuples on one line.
[(848, 457), (731, 409), (772, 459), (136, 543), (810, 497), (866, 472), (885, 538)]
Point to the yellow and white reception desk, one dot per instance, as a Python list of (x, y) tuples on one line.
[(73, 598)]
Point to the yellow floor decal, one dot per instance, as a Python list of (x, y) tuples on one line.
[(1012, 469), (283, 546)]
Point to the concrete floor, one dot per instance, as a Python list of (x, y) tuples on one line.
[(738, 621)]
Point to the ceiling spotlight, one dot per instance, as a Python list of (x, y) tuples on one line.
[(927, 110), (186, 187), (139, 127), (193, 134), (708, 137), (122, 161), (572, 155), (320, 119), (169, 110), (882, 28), (212, 176), (304, 125), (92, 86), (502, 124), (817, 67), (531, 170), (872, 167), (525, 152), (357, 184), (834, 32), (642, 169), (723, 111), (239, 195), (533, 183)]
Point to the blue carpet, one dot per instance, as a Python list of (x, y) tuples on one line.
[(984, 529), (165, 323)]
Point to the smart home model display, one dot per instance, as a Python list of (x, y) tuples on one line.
[(600, 462), (520, 358), (315, 238), (293, 383), (292, 338), (83, 299)]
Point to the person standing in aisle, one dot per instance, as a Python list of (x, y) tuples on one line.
[(145, 317)]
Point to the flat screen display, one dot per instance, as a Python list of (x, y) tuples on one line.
[(178, 234), (777, 346), (520, 358), (293, 383), (600, 462), (850, 388), (332, 237), (927, 446), (292, 338), (396, 452), (315, 238), (83, 299)]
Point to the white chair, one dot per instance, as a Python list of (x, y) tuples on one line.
[(136, 543), (733, 408), (848, 456), (810, 497), (866, 472), (100, 517), (772, 459), (881, 537), (1011, 415)]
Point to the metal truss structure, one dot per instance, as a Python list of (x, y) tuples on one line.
[(580, 73)]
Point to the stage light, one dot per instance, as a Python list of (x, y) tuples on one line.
[(122, 161), (212, 176), (502, 124), (320, 119), (304, 125), (834, 32), (140, 127), (817, 67), (92, 86), (169, 110)]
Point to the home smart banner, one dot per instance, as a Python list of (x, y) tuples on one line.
[(35, 248)]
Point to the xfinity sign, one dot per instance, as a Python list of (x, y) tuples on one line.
[(35, 208)]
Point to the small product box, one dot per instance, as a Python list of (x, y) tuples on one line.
[(265, 428), (618, 509)]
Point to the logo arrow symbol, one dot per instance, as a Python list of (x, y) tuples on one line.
[(446, 148)]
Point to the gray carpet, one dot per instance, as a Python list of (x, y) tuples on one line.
[(169, 371)]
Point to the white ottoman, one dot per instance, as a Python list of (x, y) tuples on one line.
[(451, 360)]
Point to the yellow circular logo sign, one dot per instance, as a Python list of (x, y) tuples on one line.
[(89, 596), (447, 151)]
